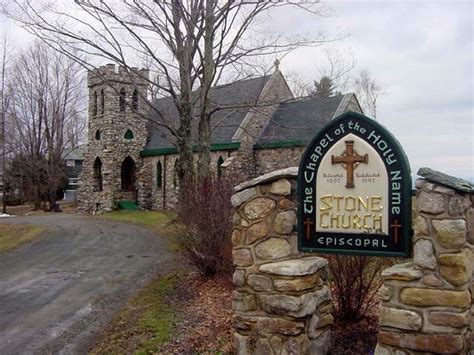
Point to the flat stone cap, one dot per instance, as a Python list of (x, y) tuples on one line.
[(294, 267), (446, 180), (274, 175), (405, 272)]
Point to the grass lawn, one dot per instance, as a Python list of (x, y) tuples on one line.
[(144, 324), (154, 220), (14, 235)]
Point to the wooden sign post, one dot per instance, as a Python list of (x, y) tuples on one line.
[(354, 191)]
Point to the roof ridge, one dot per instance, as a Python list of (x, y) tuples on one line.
[(221, 85), (241, 81), (310, 98)]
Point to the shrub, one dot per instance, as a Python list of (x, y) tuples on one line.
[(355, 281), (11, 201), (204, 225)]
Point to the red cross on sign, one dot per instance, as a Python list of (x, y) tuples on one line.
[(308, 223), (396, 226)]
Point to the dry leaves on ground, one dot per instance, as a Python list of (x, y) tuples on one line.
[(206, 322), (206, 316), (354, 338)]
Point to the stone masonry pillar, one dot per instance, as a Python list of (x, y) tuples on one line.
[(428, 302), (282, 304)]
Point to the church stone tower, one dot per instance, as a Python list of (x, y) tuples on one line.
[(116, 135)]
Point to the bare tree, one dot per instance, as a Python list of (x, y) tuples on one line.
[(299, 84), (368, 91), (46, 101), (338, 66), (76, 129), (334, 75), (5, 100), (188, 44)]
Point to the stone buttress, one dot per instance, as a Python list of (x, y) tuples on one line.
[(427, 302), (282, 304)]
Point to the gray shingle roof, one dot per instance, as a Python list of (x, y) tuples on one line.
[(224, 122), (299, 120)]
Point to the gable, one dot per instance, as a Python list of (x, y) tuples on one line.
[(273, 94)]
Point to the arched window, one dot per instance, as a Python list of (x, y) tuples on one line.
[(97, 135), (135, 100), (97, 175), (102, 102), (128, 134), (94, 104), (220, 161), (122, 100), (128, 174), (159, 175)]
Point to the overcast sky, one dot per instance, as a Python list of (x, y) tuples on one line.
[(421, 53)]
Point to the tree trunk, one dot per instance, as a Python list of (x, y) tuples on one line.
[(4, 63), (204, 127), (204, 148), (185, 171), (37, 200), (185, 163), (52, 184)]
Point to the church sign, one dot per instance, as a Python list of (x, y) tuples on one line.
[(354, 191)]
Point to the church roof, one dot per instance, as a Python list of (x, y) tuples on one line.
[(239, 95), (292, 123), (298, 120)]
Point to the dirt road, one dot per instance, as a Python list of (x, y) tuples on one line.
[(56, 293)]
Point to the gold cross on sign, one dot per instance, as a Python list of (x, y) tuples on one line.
[(350, 157)]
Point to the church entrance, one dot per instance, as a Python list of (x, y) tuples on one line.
[(128, 174)]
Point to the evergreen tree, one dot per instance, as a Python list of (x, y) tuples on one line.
[(324, 88)]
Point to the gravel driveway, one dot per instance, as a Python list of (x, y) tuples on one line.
[(56, 293)]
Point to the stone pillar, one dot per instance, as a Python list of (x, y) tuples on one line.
[(281, 303), (427, 302)]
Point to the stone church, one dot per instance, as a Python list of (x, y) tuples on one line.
[(258, 127)]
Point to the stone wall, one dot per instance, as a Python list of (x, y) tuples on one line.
[(269, 160), (239, 165), (282, 304), (166, 197), (427, 302)]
